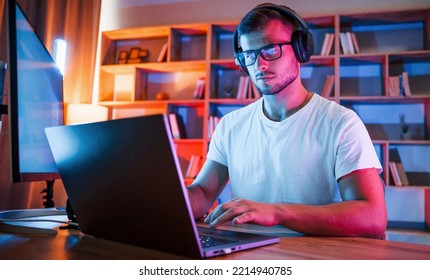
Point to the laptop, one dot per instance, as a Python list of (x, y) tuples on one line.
[(125, 184)]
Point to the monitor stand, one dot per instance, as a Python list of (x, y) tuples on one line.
[(49, 190)]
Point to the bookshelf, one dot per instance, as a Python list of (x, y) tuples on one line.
[(389, 43)]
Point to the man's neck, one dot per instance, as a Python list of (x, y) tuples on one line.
[(284, 104)]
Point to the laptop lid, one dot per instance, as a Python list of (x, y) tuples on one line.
[(124, 183)]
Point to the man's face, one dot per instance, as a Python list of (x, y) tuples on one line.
[(271, 77)]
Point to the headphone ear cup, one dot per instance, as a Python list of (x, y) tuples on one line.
[(236, 50), (303, 45)]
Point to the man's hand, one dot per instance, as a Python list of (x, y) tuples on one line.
[(243, 211)]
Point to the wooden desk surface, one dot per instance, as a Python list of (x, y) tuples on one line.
[(71, 244)]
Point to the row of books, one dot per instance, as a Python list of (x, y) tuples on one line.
[(398, 174), (399, 85), (396, 168), (247, 89), (176, 126), (348, 42), (193, 166), (178, 132), (327, 44), (212, 123)]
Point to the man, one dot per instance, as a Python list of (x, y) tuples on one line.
[(292, 158)]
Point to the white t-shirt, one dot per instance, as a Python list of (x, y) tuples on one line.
[(297, 160)]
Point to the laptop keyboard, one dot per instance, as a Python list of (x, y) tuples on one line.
[(210, 241)]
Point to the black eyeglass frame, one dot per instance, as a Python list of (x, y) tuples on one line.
[(240, 56)]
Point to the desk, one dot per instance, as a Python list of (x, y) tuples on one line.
[(71, 244)]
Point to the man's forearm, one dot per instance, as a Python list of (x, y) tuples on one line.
[(347, 218), (200, 203)]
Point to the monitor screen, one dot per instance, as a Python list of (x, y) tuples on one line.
[(36, 100)]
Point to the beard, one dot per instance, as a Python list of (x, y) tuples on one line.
[(272, 89)]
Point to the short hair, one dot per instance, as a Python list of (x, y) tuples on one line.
[(259, 17)]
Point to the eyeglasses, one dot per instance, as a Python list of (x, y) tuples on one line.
[(269, 52)]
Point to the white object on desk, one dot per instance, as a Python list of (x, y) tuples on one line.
[(32, 221)]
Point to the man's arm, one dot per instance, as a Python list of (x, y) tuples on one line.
[(361, 213), (207, 186)]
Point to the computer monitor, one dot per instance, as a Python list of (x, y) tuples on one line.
[(35, 100)]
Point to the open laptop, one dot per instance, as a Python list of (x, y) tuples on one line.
[(124, 183)]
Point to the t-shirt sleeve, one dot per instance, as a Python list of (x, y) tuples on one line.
[(355, 149)]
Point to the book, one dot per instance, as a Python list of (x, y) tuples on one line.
[(328, 86), (397, 169), (401, 92), (324, 48), (190, 165), (193, 167), (211, 127), (344, 43), (243, 87), (176, 126), (355, 43), (350, 43), (199, 89), (393, 86), (327, 44), (163, 53), (212, 123), (402, 174), (394, 173), (405, 84), (252, 91), (249, 91), (399, 85)]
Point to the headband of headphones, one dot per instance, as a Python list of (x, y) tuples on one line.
[(301, 39)]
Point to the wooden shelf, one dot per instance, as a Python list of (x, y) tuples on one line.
[(409, 187), (402, 142), (231, 101)]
